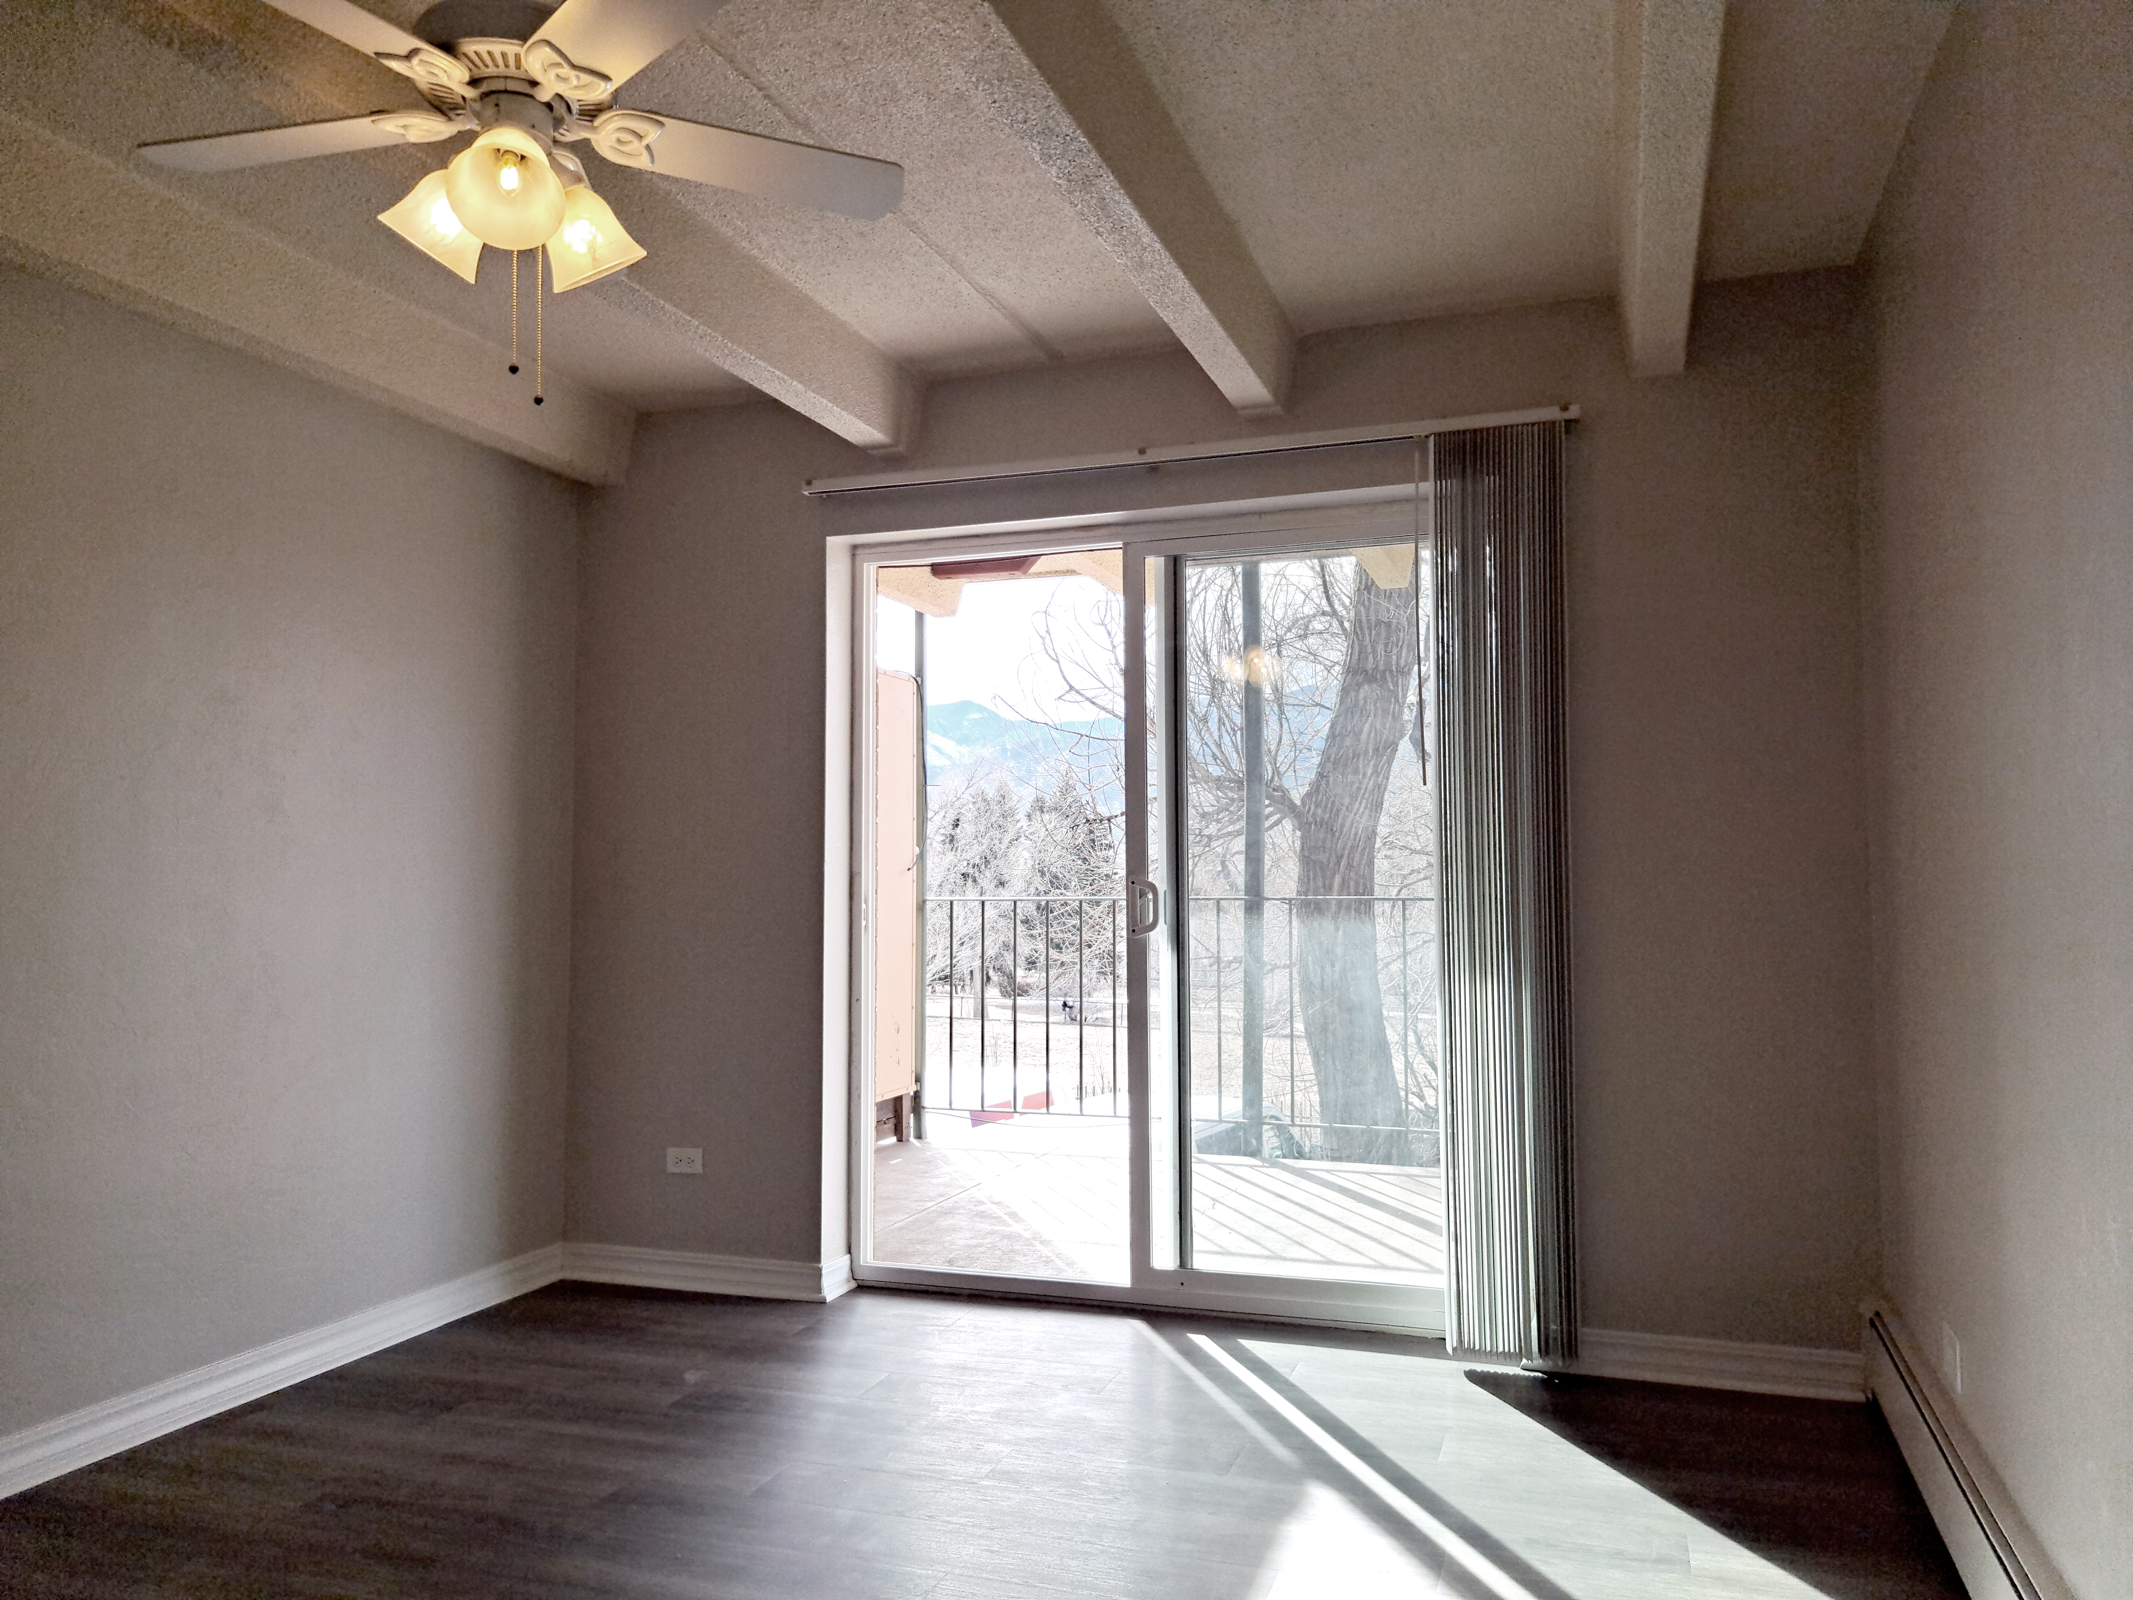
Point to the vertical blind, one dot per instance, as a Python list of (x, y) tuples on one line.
[(1497, 529)]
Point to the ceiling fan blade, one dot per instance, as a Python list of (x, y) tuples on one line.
[(777, 169), (225, 152), (352, 25), (407, 55), (613, 39)]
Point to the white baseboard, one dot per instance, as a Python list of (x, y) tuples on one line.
[(51, 1448), (1993, 1546), (702, 1274), (1722, 1364)]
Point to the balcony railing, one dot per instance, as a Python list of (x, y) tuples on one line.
[(1025, 1014), (1025, 1006), (1290, 1122)]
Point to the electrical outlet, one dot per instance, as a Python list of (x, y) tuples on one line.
[(680, 1160), (1951, 1359)]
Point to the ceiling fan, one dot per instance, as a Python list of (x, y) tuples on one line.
[(527, 82)]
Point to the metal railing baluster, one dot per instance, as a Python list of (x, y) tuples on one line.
[(1291, 909), (1047, 1004), (1116, 909), (968, 970), (1407, 1051), (1081, 1004), (982, 1007), (1014, 1006), (1216, 1012), (953, 963)]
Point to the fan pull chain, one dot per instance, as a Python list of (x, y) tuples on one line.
[(537, 398), (514, 313)]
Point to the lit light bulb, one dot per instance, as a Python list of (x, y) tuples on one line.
[(590, 244), (503, 190), (426, 220)]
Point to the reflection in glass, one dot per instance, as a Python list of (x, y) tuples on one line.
[(1309, 927)]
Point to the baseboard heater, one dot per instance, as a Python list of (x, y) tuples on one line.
[(1993, 1549)]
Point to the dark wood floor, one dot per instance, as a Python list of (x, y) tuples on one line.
[(605, 1442)]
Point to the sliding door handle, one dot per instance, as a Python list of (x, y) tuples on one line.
[(1144, 907)]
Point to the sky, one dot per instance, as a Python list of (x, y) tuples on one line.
[(988, 651)]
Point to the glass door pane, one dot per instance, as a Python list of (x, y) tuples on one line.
[(998, 950), (1307, 922)]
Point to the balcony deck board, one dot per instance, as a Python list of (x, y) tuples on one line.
[(1046, 1197)]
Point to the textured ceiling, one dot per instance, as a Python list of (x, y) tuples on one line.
[(1357, 161), (982, 267), (1386, 159)]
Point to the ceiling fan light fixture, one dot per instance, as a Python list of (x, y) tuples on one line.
[(591, 243), (426, 220), (503, 190)]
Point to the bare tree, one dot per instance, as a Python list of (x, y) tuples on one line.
[(1336, 675), (1337, 821), (1073, 845), (1047, 846), (1338, 694), (974, 840)]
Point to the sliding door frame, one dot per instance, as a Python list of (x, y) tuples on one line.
[(1155, 1283), (1399, 518)]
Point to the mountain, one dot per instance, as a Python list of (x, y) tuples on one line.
[(967, 740)]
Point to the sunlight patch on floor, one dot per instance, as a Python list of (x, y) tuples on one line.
[(1327, 1547), (1516, 1511)]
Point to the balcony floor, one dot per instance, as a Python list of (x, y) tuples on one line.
[(1046, 1197)]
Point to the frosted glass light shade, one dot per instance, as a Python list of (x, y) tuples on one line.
[(426, 220), (590, 244), (504, 191)]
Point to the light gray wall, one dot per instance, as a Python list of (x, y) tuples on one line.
[(696, 995), (285, 701), (2000, 574), (1725, 1136)]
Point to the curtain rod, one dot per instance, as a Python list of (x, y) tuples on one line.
[(1149, 456)]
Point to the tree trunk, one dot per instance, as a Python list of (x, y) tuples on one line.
[(1336, 841)]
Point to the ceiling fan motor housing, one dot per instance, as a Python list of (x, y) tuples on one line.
[(506, 102), (453, 76)]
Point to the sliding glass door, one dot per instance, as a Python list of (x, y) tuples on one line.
[(1306, 915), (1233, 1010), (1000, 1103)]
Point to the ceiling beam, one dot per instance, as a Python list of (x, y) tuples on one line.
[(108, 228), (1061, 76), (1666, 85), (708, 291)]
